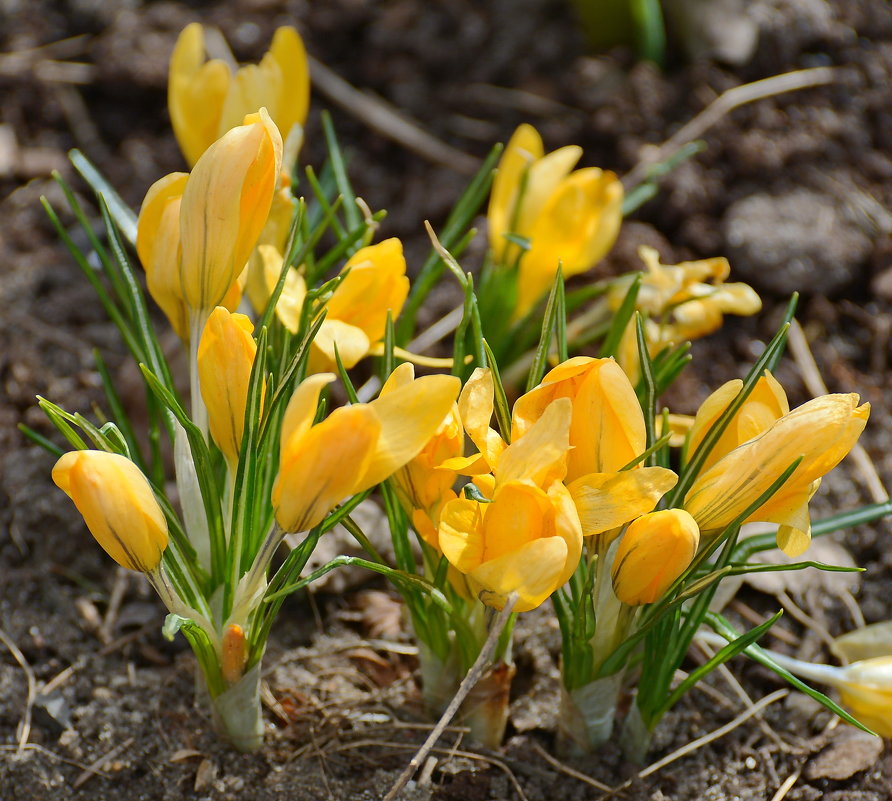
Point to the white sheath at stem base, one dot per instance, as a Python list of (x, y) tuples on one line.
[(587, 713), (237, 713)]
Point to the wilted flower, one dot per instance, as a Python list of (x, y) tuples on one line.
[(820, 432), (570, 218), (526, 539), (226, 354), (654, 551), (354, 448), (196, 232), (117, 504), (206, 99)]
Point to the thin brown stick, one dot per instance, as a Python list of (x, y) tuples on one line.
[(724, 104), (785, 788), (25, 723), (389, 121), (575, 774), (94, 768), (811, 376), (468, 683)]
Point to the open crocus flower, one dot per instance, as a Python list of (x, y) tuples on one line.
[(206, 99), (424, 485), (196, 232), (653, 552), (526, 539), (571, 218), (607, 433), (117, 504), (374, 283), (820, 432), (226, 354), (354, 448)]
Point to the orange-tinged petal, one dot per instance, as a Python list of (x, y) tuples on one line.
[(655, 550), (320, 469), (117, 504), (225, 357), (518, 514), (408, 417), (605, 501), (301, 411), (533, 572)]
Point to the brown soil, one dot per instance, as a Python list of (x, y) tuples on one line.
[(793, 188)]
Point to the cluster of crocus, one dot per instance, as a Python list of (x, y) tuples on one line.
[(569, 497)]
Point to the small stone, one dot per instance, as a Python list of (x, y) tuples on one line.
[(800, 240), (851, 751)]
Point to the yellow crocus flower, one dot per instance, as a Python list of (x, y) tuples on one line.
[(117, 504), (374, 283), (571, 218), (206, 99), (527, 540), (606, 433), (196, 232), (820, 432), (226, 354), (354, 448), (654, 551)]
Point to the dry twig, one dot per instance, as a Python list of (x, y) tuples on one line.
[(94, 768), (24, 730)]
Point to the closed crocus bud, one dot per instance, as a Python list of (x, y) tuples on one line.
[(356, 313), (865, 687), (117, 505), (206, 99), (655, 550), (226, 354), (820, 433), (354, 448), (570, 218), (225, 206)]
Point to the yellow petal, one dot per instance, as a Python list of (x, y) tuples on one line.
[(225, 205), (195, 93), (408, 416), (533, 572), (402, 376), (253, 87), (225, 357), (544, 177), (321, 469), (519, 513), (866, 690), (461, 534), (117, 504), (301, 410), (475, 405), (288, 50), (522, 150), (605, 501), (655, 550), (351, 343), (158, 246), (540, 456)]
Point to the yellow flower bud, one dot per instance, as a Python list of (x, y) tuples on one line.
[(570, 218), (117, 505), (866, 689), (820, 432), (354, 448), (206, 100), (196, 232), (655, 550), (225, 357)]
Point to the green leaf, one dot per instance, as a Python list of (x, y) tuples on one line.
[(621, 319), (124, 218)]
